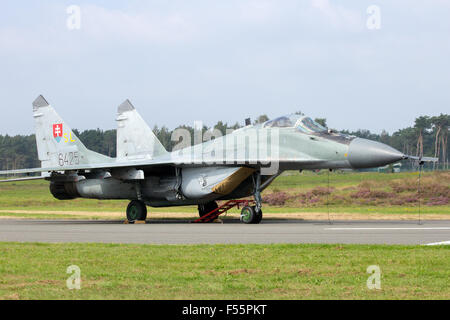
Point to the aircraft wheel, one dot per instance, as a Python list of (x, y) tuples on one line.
[(206, 208), (250, 216), (259, 215), (136, 211)]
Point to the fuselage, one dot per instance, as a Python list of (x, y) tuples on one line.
[(223, 167)]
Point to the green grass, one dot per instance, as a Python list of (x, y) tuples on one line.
[(361, 209), (308, 180), (38, 271), (223, 271)]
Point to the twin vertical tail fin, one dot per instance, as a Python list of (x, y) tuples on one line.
[(135, 139), (57, 145)]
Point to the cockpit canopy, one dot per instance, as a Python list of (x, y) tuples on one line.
[(302, 123)]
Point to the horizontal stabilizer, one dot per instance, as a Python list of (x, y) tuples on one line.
[(22, 179)]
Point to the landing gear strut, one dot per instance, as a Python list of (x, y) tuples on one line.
[(254, 214), (136, 211)]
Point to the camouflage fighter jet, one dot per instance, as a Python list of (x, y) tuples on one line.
[(238, 165)]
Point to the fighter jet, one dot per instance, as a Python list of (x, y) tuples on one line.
[(238, 165)]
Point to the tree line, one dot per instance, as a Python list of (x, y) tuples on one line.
[(428, 136)]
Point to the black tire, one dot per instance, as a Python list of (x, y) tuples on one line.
[(204, 209), (136, 211), (259, 216)]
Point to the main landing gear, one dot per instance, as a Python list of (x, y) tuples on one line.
[(136, 211), (204, 209)]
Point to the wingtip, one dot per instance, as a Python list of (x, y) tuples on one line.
[(40, 102), (125, 106)]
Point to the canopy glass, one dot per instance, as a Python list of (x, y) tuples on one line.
[(302, 123)]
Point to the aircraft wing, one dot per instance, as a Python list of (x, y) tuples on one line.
[(154, 163), (169, 160), (83, 167)]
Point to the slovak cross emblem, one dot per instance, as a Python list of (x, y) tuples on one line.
[(58, 132)]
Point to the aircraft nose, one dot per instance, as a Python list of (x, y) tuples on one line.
[(363, 153)]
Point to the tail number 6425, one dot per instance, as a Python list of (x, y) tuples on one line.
[(68, 159)]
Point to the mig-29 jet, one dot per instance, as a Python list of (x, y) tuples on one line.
[(238, 165)]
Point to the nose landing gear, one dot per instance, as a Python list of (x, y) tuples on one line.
[(254, 214)]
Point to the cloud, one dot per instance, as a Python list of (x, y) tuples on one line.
[(147, 27), (258, 11), (100, 27)]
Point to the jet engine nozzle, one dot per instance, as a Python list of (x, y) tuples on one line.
[(363, 153)]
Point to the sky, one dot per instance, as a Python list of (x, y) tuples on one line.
[(182, 61)]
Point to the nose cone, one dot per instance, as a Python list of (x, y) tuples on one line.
[(363, 153)]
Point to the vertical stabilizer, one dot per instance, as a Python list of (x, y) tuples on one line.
[(135, 139), (57, 145)]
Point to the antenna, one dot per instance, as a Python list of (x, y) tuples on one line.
[(419, 190)]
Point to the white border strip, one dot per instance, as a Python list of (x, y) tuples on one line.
[(447, 243), (417, 228)]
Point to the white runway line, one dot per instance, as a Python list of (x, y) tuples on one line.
[(410, 228), (439, 243)]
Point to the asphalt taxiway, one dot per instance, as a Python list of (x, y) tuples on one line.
[(230, 232)]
